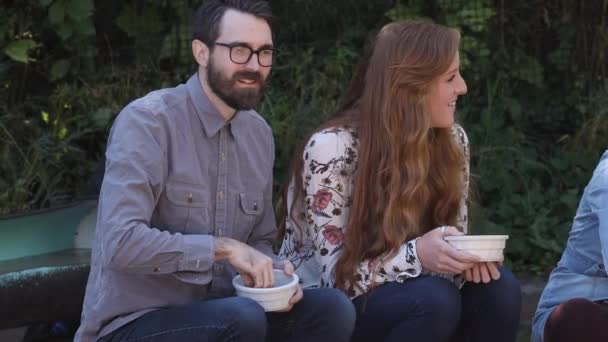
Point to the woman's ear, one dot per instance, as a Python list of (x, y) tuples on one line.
[(201, 52)]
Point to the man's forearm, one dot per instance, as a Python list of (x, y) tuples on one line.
[(223, 248)]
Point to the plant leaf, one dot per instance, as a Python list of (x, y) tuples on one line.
[(65, 31), (56, 13), (79, 9), (101, 117), (18, 50), (59, 69)]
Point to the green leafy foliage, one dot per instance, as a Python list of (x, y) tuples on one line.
[(536, 109), (18, 50)]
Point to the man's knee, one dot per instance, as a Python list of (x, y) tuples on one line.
[(573, 310), (242, 318), (575, 318), (249, 317)]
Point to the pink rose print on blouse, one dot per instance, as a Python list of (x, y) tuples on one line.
[(321, 200), (333, 234)]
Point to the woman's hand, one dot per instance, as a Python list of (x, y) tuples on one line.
[(483, 272), (288, 268), (436, 255)]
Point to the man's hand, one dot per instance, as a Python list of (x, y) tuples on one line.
[(255, 267), (436, 255), (297, 296), (483, 272)]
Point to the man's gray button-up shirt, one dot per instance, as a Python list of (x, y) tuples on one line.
[(177, 175)]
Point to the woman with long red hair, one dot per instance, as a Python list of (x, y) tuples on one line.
[(376, 188)]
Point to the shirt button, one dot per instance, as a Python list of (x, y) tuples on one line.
[(190, 198), (222, 156), (156, 269), (220, 195)]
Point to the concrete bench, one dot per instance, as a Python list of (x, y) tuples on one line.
[(44, 264), (43, 288)]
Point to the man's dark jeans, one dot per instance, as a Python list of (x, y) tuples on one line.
[(322, 315)]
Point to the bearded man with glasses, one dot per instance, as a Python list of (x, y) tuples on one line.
[(186, 203)]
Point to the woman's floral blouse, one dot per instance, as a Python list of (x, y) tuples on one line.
[(315, 224)]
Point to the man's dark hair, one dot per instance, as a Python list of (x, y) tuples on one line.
[(207, 19)]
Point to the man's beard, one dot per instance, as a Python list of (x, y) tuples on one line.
[(225, 88)]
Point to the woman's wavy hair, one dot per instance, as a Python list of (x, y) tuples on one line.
[(409, 174)]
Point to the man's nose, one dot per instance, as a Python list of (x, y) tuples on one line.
[(253, 64)]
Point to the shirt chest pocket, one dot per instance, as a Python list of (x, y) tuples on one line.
[(249, 213), (187, 208)]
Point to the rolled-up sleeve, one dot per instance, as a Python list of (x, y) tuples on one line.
[(136, 170)]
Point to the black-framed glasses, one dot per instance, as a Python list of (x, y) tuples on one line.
[(241, 54)]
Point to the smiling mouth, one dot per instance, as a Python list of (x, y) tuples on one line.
[(248, 82)]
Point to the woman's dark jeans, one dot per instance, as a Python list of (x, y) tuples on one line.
[(433, 309)]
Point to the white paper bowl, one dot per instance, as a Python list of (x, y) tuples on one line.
[(487, 247), (272, 298)]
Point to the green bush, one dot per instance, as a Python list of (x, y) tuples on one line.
[(535, 111)]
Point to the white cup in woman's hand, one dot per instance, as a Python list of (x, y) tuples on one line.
[(436, 255)]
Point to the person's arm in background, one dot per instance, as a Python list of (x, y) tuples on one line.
[(598, 202)]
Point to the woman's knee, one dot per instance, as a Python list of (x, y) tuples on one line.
[(506, 292), (427, 307), (509, 283), (333, 303), (339, 305), (442, 301), (428, 300)]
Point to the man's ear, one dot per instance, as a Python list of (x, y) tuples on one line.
[(201, 52)]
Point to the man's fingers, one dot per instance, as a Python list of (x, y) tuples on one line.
[(265, 276), (258, 279), (247, 280), (270, 274), (259, 275)]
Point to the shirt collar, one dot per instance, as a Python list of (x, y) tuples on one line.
[(210, 117)]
